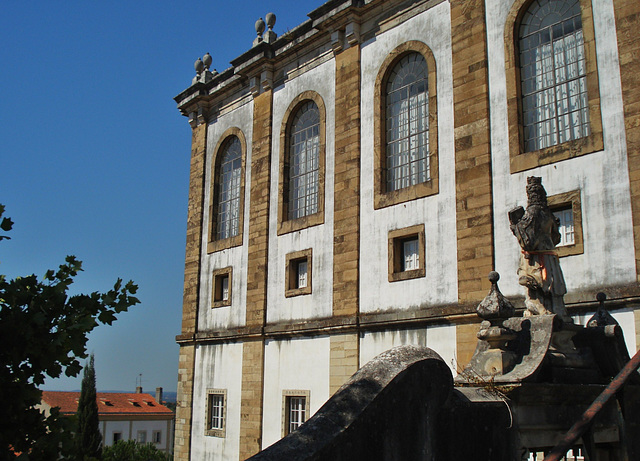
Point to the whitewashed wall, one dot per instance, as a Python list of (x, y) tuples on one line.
[(219, 367), (296, 364), (602, 177), (235, 314), (107, 428), (318, 304), (438, 212), (440, 338)]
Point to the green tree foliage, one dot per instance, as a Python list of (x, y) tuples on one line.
[(131, 450), (88, 437), (43, 332)]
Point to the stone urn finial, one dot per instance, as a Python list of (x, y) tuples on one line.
[(198, 66), (259, 31), (271, 20), (270, 36), (207, 60), (494, 309), (495, 306)]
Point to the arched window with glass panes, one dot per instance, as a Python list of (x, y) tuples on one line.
[(407, 123), (228, 188), (303, 162), (553, 74)]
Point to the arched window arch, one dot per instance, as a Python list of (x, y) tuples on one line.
[(552, 83), (303, 162), (227, 191), (553, 74), (407, 123), (405, 126), (302, 153)]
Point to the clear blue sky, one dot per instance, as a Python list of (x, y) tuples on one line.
[(95, 155)]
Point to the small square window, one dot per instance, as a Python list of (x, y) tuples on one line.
[(301, 269), (295, 407), (221, 295), (157, 437), (142, 437), (567, 231), (216, 412), (298, 273), (406, 253), (117, 436), (567, 208)]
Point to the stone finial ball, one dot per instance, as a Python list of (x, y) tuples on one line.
[(601, 297), (271, 20), (259, 26), (494, 277), (207, 60), (198, 65)]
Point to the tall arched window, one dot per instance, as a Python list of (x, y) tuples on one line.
[(407, 123), (228, 188), (553, 74), (302, 166)]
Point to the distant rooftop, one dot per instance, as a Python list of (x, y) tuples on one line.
[(108, 402)]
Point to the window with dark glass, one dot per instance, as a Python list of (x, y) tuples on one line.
[(407, 124), (228, 190), (553, 75), (303, 162)]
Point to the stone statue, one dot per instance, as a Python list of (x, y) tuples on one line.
[(537, 232)]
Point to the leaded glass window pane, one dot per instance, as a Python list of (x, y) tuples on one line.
[(407, 124), (229, 182), (553, 74), (304, 158)]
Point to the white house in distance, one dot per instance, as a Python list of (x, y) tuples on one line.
[(123, 416)]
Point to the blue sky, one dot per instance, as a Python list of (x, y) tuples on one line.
[(95, 155)]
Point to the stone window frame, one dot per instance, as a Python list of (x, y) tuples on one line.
[(291, 273), (286, 395), (156, 437), (395, 253), (518, 158), (382, 198), (213, 244), (286, 225), (143, 433), (216, 432), (563, 201), (216, 288)]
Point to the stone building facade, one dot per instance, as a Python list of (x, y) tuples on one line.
[(350, 187)]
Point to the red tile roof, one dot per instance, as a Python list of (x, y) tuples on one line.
[(108, 403)]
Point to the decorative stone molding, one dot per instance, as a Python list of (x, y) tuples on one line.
[(337, 40), (352, 33)]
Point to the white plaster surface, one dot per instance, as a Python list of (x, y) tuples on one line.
[(602, 177), (437, 212), (441, 339), (219, 367), (296, 364), (319, 238), (129, 431), (235, 314)]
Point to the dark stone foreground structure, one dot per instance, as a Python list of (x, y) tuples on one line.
[(387, 410), (403, 406)]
